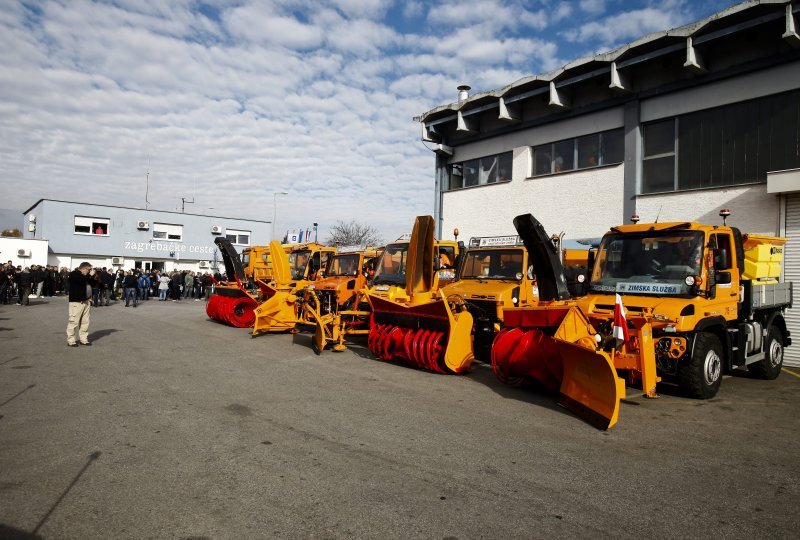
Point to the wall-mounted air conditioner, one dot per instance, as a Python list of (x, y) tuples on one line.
[(203, 264), (23, 253), (31, 227), (143, 225), (117, 261), (32, 218), (216, 229)]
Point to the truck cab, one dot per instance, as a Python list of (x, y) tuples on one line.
[(495, 274), (307, 262), (346, 273), (492, 275), (390, 266)]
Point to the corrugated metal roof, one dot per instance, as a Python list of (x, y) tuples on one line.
[(625, 54)]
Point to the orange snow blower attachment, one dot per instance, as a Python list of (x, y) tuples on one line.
[(336, 304), (279, 312), (554, 343), (411, 320), (231, 303)]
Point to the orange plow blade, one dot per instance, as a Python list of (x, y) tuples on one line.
[(554, 347), (590, 387)]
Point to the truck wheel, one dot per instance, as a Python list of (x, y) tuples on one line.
[(701, 375), (770, 367)]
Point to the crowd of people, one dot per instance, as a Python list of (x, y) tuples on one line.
[(18, 284)]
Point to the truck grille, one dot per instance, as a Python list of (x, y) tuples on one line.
[(483, 308)]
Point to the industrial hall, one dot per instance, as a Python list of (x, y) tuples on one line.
[(64, 233), (673, 127)]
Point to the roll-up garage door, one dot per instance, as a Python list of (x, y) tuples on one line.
[(791, 268)]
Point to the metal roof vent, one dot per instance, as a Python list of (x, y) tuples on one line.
[(463, 92)]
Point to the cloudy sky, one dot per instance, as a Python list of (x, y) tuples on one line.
[(229, 101)]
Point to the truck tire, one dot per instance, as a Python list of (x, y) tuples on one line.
[(770, 367), (701, 375)]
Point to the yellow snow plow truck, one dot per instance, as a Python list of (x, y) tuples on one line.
[(290, 273), (411, 320), (680, 302), (336, 305), (494, 274)]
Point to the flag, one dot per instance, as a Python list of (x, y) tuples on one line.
[(300, 239), (620, 322)]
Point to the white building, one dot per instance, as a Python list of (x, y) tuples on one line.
[(676, 126), (116, 236)]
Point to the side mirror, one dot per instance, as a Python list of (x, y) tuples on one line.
[(723, 278)]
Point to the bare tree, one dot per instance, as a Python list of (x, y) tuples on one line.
[(353, 233)]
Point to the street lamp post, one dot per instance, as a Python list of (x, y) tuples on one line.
[(275, 209)]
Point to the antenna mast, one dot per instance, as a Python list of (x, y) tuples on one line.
[(147, 186), (184, 202)]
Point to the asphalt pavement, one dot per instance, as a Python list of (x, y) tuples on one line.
[(173, 426)]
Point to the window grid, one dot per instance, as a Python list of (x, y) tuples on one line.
[(241, 238), (730, 145), (566, 155), (487, 170), (166, 231)]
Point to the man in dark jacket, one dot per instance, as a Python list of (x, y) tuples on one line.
[(80, 302), (5, 284), (208, 283), (37, 277), (175, 282), (49, 282), (24, 284), (130, 284), (108, 281)]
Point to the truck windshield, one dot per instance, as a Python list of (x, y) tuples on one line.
[(649, 263), (343, 265), (392, 265), (245, 259), (492, 264), (298, 260)]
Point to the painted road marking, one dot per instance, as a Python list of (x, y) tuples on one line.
[(790, 372)]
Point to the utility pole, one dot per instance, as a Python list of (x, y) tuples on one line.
[(275, 208), (147, 186)]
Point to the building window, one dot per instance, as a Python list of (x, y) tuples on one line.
[(91, 225), (658, 161), (726, 146), (479, 172), (605, 148), (165, 231), (241, 238)]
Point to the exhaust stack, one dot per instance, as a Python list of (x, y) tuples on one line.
[(463, 92)]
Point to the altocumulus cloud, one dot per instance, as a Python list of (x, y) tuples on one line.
[(232, 101)]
